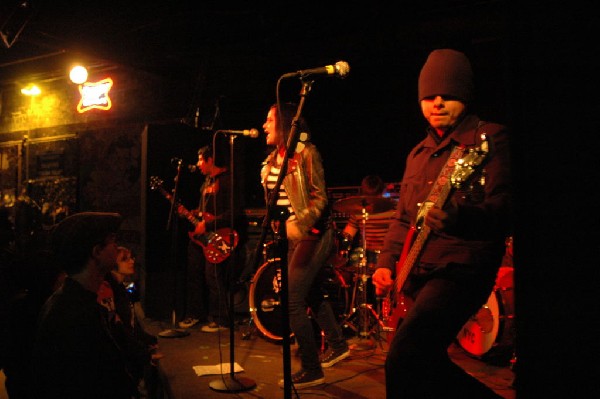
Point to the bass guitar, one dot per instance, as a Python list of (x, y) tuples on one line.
[(458, 169), (216, 245)]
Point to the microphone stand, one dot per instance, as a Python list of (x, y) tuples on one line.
[(281, 237), (232, 383), (174, 332)]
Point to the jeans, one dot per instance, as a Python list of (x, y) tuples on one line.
[(304, 290)]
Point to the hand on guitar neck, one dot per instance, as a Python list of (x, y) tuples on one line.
[(202, 219)]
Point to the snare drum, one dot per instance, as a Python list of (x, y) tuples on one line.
[(491, 330)]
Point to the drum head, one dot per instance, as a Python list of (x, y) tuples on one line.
[(264, 300), (479, 333)]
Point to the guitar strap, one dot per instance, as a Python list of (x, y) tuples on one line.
[(441, 186)]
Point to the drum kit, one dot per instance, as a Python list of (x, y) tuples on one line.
[(350, 302), (363, 317), (489, 334)]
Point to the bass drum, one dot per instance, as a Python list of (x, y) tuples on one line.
[(264, 297), (490, 334)]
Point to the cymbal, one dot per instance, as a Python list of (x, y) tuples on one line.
[(371, 204)]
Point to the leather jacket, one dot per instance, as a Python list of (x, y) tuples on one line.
[(304, 184)]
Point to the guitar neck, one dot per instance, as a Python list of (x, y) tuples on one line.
[(419, 242), (411, 258), (181, 209)]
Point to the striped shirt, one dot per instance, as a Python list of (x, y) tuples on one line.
[(282, 199)]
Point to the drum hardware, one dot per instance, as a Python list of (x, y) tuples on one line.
[(363, 319)]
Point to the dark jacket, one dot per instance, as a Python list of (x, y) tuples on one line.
[(74, 354), (484, 203), (305, 186)]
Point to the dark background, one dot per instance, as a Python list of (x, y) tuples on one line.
[(230, 56), (535, 66)]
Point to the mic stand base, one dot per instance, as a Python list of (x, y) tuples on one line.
[(173, 333), (228, 383)]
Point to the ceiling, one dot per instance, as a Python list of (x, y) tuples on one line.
[(185, 36), (232, 53)]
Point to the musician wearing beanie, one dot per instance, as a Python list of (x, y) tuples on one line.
[(446, 241)]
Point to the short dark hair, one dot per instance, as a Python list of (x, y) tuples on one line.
[(206, 152)]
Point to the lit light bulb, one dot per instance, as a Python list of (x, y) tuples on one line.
[(78, 74)]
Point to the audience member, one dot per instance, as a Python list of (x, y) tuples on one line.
[(141, 348), (74, 354)]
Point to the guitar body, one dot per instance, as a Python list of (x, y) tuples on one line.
[(216, 245), (396, 314), (395, 305)]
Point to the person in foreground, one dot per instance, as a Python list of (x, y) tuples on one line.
[(310, 242), (456, 267), (74, 353)]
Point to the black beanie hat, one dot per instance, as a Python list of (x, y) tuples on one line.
[(446, 72)]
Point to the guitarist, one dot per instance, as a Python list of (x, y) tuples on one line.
[(206, 282), (455, 270)]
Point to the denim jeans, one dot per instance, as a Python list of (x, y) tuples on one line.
[(304, 290)]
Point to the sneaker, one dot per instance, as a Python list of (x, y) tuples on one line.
[(212, 327), (188, 322), (305, 379), (332, 356)]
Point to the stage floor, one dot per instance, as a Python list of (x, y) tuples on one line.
[(361, 375)]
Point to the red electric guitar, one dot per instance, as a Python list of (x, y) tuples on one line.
[(460, 167), (216, 245)]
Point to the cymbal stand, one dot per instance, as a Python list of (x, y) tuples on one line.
[(360, 308)]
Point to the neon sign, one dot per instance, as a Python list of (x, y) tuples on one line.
[(95, 95)]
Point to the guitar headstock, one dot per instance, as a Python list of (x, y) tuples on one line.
[(466, 165), (155, 182)]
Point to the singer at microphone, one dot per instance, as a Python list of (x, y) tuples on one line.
[(339, 70), (253, 133)]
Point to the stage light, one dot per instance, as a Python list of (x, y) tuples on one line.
[(78, 74), (31, 90)]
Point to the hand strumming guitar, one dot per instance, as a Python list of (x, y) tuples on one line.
[(200, 228), (382, 279)]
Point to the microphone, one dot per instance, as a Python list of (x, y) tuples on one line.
[(253, 133), (192, 168), (340, 70), (176, 161)]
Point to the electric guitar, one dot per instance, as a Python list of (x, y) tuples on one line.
[(216, 245), (395, 304)]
